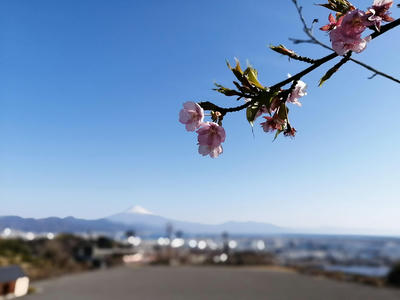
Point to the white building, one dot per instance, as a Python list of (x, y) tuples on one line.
[(13, 282)]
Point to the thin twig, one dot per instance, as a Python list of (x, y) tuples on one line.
[(313, 40)]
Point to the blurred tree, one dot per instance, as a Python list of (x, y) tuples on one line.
[(104, 242), (393, 277), (225, 242), (169, 229)]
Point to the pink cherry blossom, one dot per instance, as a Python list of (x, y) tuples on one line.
[(381, 8), (192, 115), (210, 137), (272, 123), (378, 13), (347, 36), (298, 92)]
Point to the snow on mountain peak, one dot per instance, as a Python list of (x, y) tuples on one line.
[(139, 210)]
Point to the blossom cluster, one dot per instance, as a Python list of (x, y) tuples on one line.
[(345, 30), (210, 134)]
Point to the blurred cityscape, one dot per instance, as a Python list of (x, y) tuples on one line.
[(368, 259)]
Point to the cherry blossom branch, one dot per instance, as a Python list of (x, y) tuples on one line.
[(346, 27), (210, 106), (313, 40)]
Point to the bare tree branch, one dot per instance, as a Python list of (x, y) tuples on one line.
[(313, 40)]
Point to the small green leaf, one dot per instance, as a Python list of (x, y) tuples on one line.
[(340, 6), (252, 76), (283, 112), (237, 70), (251, 112), (291, 54), (227, 92), (334, 69), (278, 132), (282, 50), (327, 76)]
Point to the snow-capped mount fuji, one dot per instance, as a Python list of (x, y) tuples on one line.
[(138, 216), (138, 210), (142, 219)]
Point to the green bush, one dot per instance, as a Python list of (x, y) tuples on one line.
[(14, 248)]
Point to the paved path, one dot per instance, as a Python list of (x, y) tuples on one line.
[(202, 283)]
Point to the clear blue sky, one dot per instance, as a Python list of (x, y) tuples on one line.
[(89, 100)]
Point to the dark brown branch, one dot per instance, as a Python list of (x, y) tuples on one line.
[(291, 54), (211, 106), (375, 71), (299, 75), (386, 28), (313, 40)]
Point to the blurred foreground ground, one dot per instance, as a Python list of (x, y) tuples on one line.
[(192, 283)]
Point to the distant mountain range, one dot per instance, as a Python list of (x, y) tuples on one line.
[(135, 218), (56, 225)]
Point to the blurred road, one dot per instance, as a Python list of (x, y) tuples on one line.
[(202, 283)]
